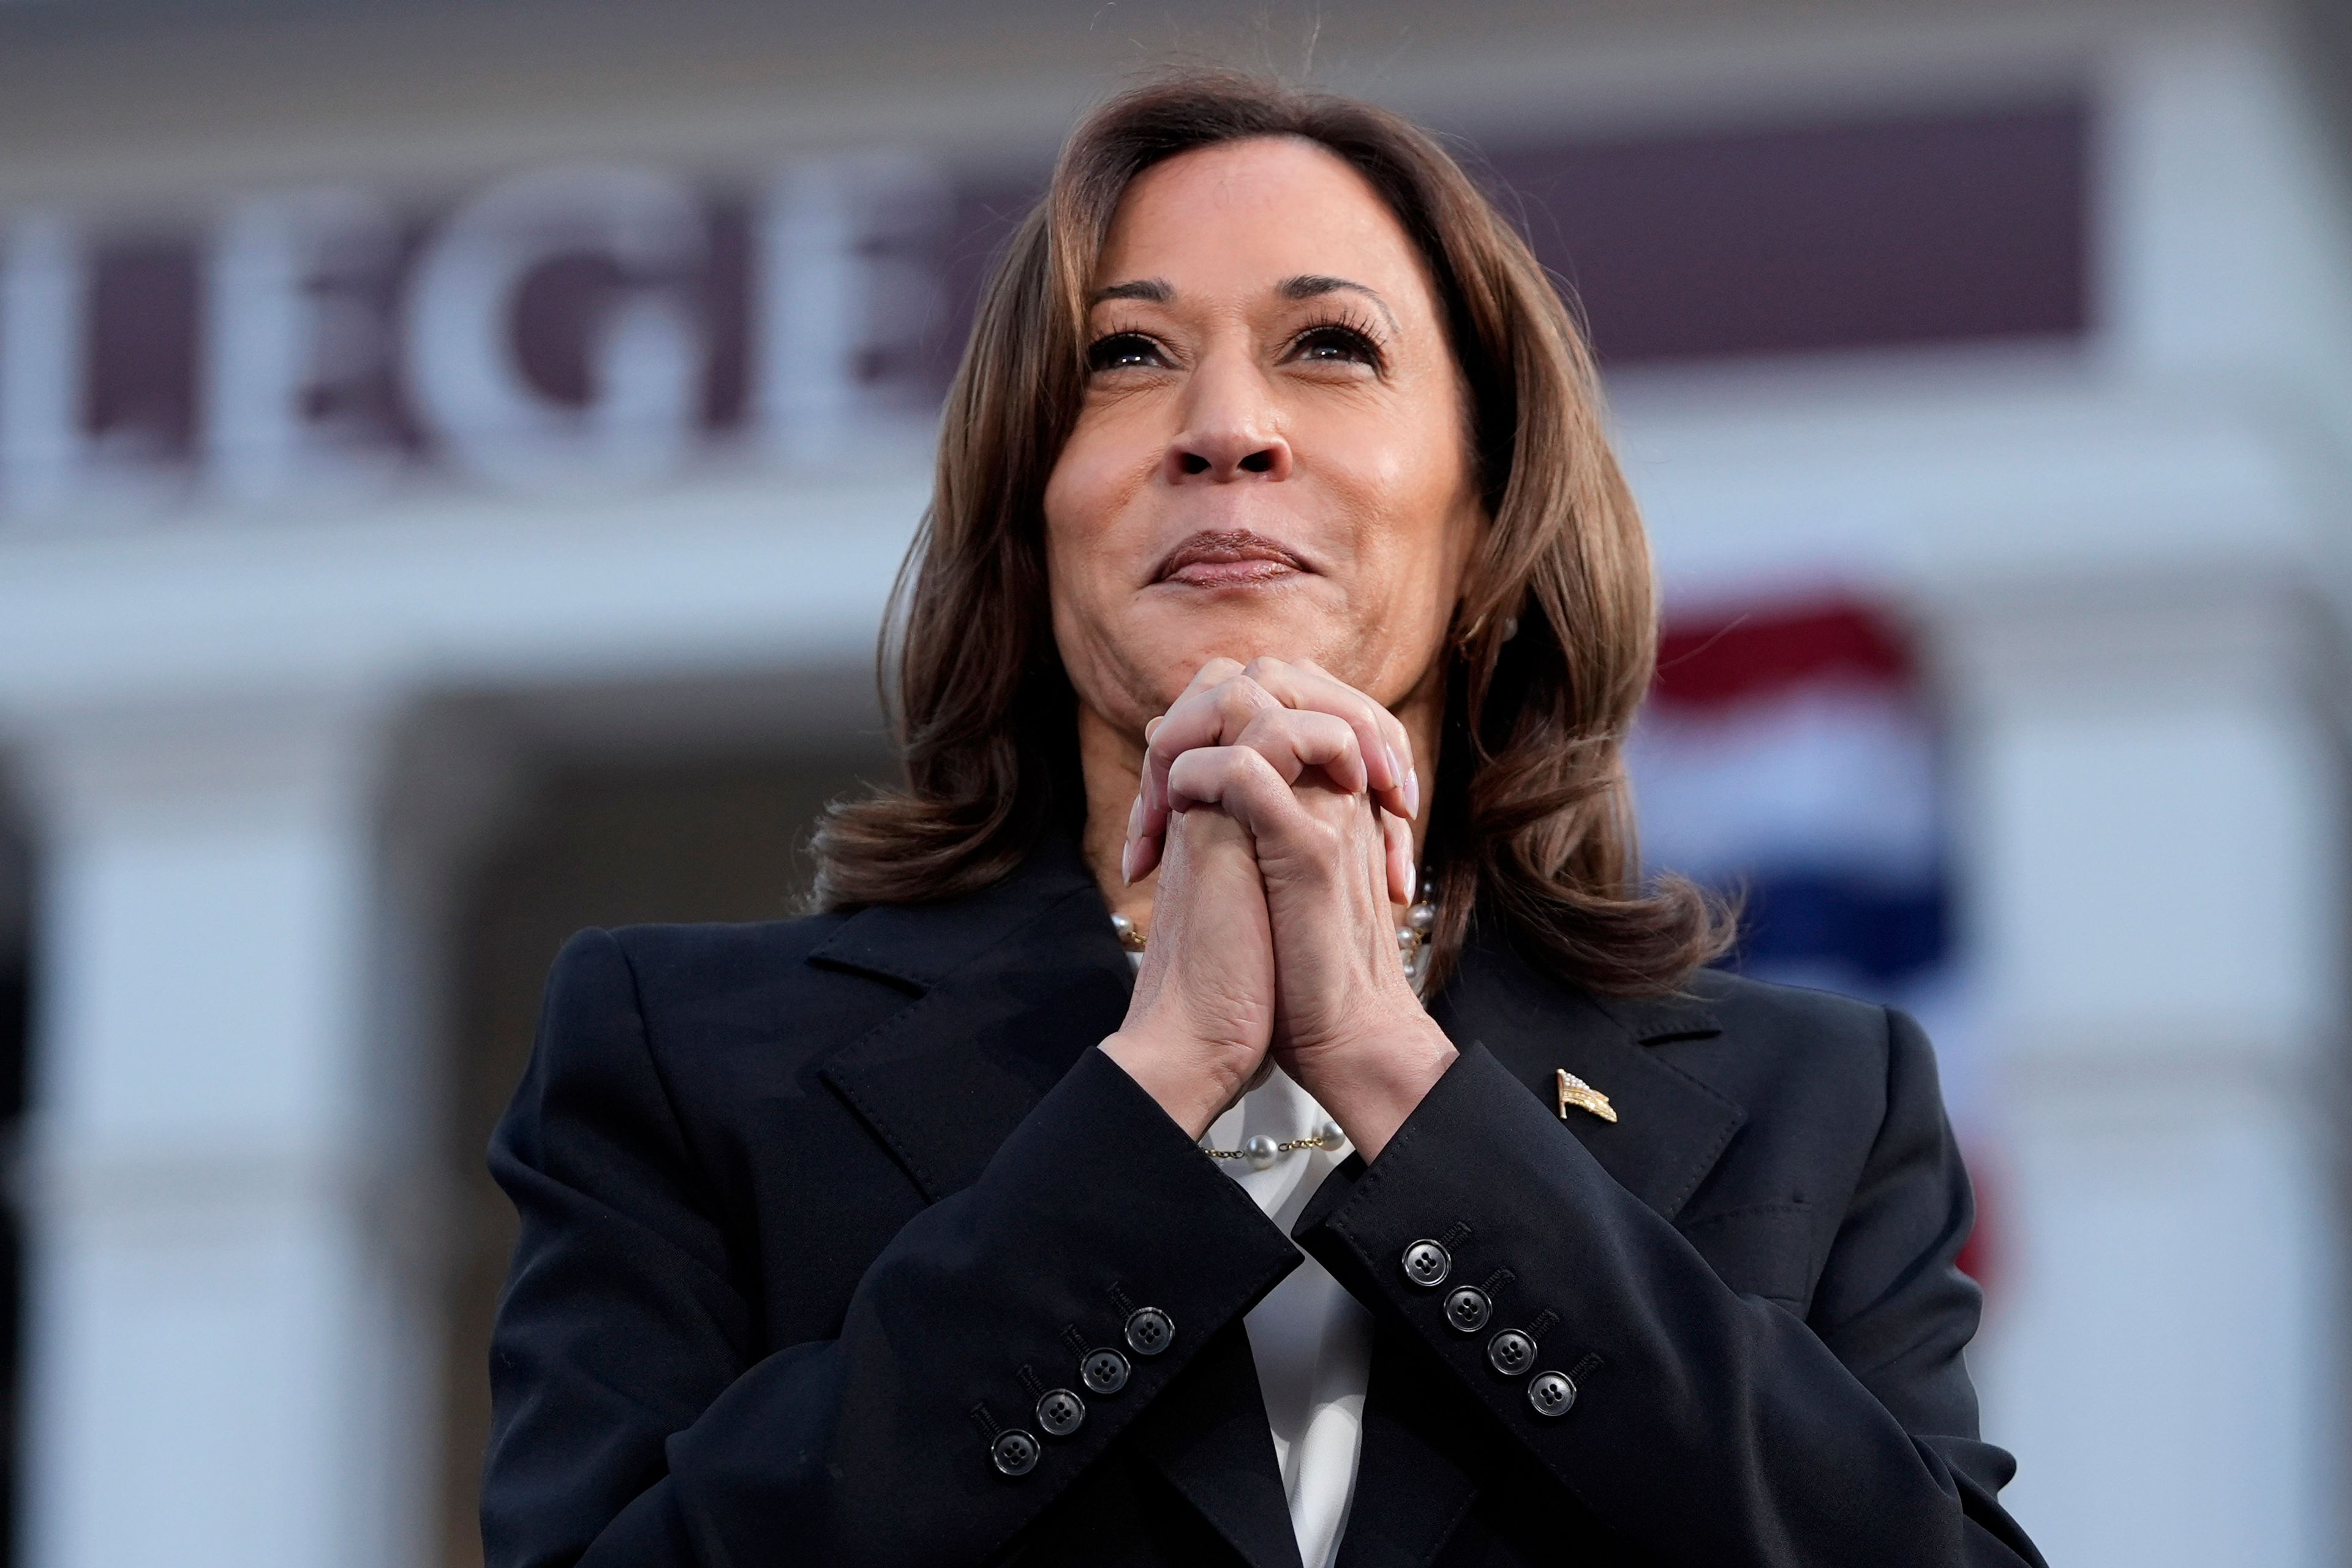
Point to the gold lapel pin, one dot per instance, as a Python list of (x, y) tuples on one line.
[(1574, 1090)]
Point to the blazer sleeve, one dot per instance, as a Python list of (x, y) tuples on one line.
[(635, 1423), (1702, 1424)]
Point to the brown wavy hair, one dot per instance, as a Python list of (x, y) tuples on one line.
[(1554, 644)]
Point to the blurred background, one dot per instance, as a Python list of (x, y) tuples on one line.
[(453, 457)]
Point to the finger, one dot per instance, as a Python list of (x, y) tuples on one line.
[(1238, 785), (1208, 678), (1294, 741), (1138, 855), (1387, 745), (1225, 697), (1198, 718), (1396, 834), (1407, 788), (1236, 781), (1291, 739), (1209, 713), (1214, 673), (1217, 671), (1135, 816)]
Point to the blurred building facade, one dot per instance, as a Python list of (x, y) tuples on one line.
[(452, 460)]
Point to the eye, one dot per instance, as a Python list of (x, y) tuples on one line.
[(1123, 350), (1336, 344)]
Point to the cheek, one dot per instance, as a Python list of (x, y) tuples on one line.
[(1412, 496), (1417, 508), (1070, 547), (1087, 572), (1093, 482)]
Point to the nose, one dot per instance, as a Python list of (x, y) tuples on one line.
[(1229, 432)]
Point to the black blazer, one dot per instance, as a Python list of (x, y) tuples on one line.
[(813, 1213)]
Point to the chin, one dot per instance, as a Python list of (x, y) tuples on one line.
[(1259, 637)]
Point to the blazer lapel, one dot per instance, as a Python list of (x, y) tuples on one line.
[(1005, 991), (1670, 1128)]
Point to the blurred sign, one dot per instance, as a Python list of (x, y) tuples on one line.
[(571, 328), (562, 329)]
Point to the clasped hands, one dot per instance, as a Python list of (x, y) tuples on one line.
[(1276, 803)]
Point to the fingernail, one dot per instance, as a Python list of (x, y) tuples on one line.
[(1135, 814), (1413, 791), (1412, 883), (1127, 863), (1395, 770), (1151, 727)]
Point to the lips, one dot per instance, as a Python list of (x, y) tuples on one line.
[(1229, 558)]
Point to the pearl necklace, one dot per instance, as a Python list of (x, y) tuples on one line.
[(1260, 1150)]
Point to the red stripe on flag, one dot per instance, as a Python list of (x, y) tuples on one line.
[(1726, 659)]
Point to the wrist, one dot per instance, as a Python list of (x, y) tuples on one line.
[(1191, 1094), (1372, 1086)]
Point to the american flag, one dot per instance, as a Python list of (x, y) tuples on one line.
[(1792, 751)]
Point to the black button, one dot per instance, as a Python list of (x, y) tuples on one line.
[(1060, 1413), (1014, 1452), (1149, 1331), (1103, 1371), (1467, 1309), (1551, 1393), (1426, 1264), (1510, 1352)]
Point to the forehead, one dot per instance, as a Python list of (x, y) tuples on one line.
[(1243, 215)]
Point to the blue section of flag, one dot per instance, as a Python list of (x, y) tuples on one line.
[(1886, 933)]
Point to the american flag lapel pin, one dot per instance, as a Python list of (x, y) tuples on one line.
[(1574, 1090)]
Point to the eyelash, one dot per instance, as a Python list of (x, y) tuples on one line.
[(1097, 351), (1354, 333), (1359, 334)]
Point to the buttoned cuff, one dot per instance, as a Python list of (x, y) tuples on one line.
[(1130, 1249), (1007, 1335), (1439, 1235)]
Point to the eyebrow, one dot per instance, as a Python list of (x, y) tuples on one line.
[(1306, 286), (1309, 286), (1154, 290)]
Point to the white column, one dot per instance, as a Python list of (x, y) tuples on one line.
[(2154, 799), (234, 1257)]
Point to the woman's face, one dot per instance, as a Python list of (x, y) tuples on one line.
[(1272, 456)]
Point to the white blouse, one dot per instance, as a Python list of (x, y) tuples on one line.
[(1311, 1340)]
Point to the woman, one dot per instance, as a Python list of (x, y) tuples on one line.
[(1276, 552)]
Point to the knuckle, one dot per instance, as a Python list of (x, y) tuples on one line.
[(1265, 729), (1338, 729), (1262, 771), (1241, 698)]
